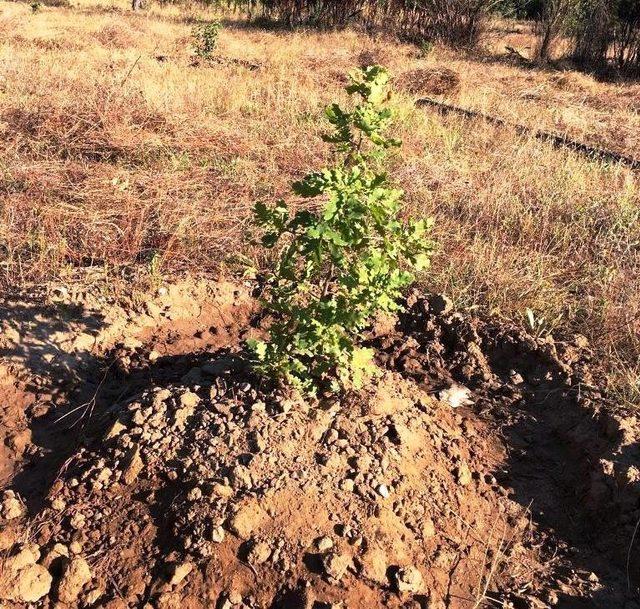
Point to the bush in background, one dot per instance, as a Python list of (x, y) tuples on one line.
[(455, 22)]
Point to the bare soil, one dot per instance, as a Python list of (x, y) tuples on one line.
[(144, 465)]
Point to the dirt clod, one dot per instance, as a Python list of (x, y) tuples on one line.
[(133, 468), (429, 81), (336, 565), (11, 506), (409, 579), (179, 572), (27, 585), (75, 574)]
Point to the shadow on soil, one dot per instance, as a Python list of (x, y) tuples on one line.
[(566, 456), (556, 448)]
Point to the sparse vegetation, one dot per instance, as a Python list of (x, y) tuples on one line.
[(340, 266)]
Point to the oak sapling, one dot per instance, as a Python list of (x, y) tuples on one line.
[(205, 38), (337, 268)]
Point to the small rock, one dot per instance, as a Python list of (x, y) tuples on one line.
[(463, 474), (456, 396), (189, 400), (104, 475), (77, 521), (217, 534), (323, 544), (222, 490), (75, 574), (259, 553), (516, 378), (383, 491), (428, 528), (347, 485), (75, 547), (58, 504), (133, 468), (409, 579), (179, 572), (247, 519), (11, 506), (374, 565), (336, 565), (92, 596), (27, 585)]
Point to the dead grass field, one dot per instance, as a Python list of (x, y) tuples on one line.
[(120, 154)]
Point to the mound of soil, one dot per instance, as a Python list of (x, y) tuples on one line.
[(482, 468), (429, 81)]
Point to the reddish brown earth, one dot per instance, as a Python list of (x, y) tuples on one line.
[(146, 466)]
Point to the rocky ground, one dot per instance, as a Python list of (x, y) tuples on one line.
[(145, 466)]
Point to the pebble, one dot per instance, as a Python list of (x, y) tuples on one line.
[(11, 506), (223, 490), (428, 528), (408, 579), (259, 553), (323, 544), (383, 491), (180, 572), (335, 565), (463, 474), (347, 485), (217, 534), (77, 521), (58, 504)]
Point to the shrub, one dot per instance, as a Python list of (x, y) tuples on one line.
[(205, 38), (455, 22), (341, 262), (551, 23), (604, 30)]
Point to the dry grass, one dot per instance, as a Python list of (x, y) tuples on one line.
[(118, 152)]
